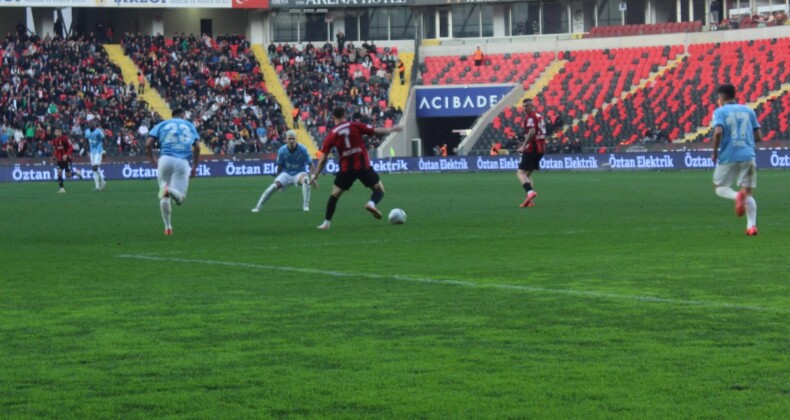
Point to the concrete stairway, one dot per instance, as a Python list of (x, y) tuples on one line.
[(399, 93), (151, 96), (276, 89)]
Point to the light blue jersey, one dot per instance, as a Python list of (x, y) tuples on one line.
[(95, 138), (176, 137), (738, 123), (294, 162)]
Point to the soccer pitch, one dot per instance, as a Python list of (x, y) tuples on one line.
[(618, 295)]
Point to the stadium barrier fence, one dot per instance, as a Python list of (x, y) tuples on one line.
[(766, 159)]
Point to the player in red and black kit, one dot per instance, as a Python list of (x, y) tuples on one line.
[(62, 155), (531, 150), (346, 138)]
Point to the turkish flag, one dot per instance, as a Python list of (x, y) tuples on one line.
[(250, 4)]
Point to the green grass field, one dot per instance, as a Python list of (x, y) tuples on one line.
[(618, 295)]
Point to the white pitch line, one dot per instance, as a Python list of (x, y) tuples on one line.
[(473, 237), (463, 283)]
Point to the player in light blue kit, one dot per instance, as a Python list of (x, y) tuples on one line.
[(178, 144), (292, 159), (95, 137), (735, 130)]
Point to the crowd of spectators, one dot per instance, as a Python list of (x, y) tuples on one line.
[(319, 79), (220, 85), (755, 20), (57, 83)]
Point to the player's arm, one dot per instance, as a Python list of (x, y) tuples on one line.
[(329, 142), (312, 171), (758, 134), (149, 150), (383, 130), (69, 150), (320, 167), (717, 134), (195, 158), (279, 164), (527, 138)]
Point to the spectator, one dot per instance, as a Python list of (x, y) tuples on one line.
[(715, 11), (478, 57), (295, 115), (402, 72), (219, 82), (341, 41)]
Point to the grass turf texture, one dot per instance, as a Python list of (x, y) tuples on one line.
[(562, 323)]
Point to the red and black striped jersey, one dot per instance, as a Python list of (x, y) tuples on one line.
[(347, 139)]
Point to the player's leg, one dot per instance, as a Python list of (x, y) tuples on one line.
[(371, 180), (266, 195), (179, 180), (95, 168), (524, 172), (747, 180), (525, 177), (725, 175), (164, 172), (60, 178), (98, 178), (282, 180), (343, 181), (303, 179)]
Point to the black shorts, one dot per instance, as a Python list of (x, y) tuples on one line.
[(530, 161), (344, 180), (64, 165)]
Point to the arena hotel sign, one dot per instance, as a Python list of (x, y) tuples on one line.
[(159, 4), (326, 4)]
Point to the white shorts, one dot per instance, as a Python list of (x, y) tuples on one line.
[(743, 174), (175, 173), (287, 180), (96, 158)]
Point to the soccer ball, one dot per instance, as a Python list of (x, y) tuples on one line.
[(397, 217)]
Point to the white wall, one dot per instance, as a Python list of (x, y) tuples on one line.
[(500, 20), (188, 21), (561, 43)]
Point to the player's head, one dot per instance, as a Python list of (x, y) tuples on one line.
[(339, 114), (290, 139), (529, 106), (178, 113), (726, 93)]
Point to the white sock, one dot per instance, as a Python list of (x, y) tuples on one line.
[(164, 206), (372, 204), (266, 194), (751, 212), (306, 192), (726, 192), (96, 178), (101, 176)]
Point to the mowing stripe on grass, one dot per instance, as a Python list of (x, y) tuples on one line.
[(463, 283)]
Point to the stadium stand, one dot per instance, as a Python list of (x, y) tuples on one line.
[(218, 81), (521, 68), (318, 79), (683, 99), (50, 84), (588, 81), (648, 29)]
